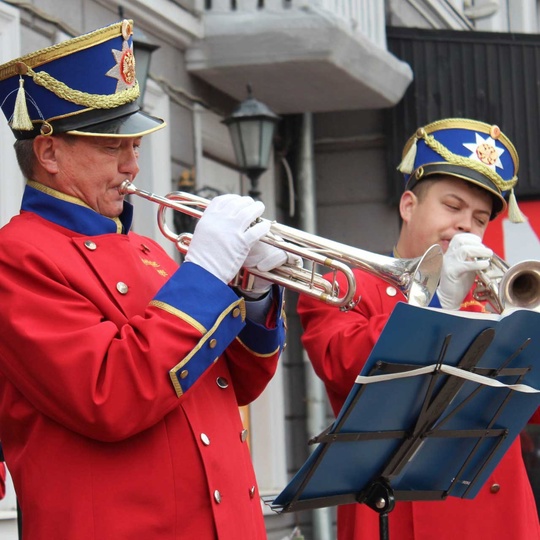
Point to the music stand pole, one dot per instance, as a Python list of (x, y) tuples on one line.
[(380, 498)]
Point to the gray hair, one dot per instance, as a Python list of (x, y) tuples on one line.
[(24, 150)]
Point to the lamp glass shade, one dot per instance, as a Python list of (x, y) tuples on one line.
[(252, 142), (142, 50)]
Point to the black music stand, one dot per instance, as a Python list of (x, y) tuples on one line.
[(415, 427)]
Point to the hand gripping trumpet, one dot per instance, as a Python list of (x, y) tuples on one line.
[(416, 278), (504, 286)]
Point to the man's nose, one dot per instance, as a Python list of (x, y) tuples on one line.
[(465, 223), (129, 163)]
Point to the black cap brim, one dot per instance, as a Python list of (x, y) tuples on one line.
[(125, 121), (428, 170), (132, 125)]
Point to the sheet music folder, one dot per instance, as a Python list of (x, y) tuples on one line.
[(428, 435)]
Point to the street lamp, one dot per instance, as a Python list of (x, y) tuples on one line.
[(251, 127), (142, 50)]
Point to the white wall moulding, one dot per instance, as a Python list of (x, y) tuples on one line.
[(11, 180), (177, 26)]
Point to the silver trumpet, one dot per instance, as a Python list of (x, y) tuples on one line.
[(416, 278), (504, 286)]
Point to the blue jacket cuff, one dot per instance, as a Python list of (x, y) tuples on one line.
[(199, 298), (187, 290)]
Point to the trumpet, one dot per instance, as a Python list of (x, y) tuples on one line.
[(504, 286), (416, 278)]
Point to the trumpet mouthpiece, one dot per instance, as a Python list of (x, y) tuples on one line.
[(126, 187)]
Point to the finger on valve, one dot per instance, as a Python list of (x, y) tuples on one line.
[(224, 235), (468, 246), (266, 256), (254, 286)]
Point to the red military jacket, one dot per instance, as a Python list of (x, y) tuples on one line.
[(120, 380), (338, 345)]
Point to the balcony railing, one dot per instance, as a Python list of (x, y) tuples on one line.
[(363, 16)]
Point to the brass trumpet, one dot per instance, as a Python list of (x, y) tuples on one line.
[(416, 278), (504, 286)]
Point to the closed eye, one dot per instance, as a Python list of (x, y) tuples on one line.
[(481, 222), (453, 207)]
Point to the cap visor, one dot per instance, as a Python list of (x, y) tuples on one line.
[(133, 125), (462, 173)]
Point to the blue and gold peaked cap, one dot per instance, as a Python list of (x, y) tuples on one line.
[(467, 149), (83, 86)]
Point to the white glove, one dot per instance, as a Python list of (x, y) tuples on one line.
[(225, 234), (264, 258), (464, 257)]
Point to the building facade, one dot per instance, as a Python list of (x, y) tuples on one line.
[(326, 68)]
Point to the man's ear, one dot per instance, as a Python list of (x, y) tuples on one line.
[(407, 204), (45, 151)]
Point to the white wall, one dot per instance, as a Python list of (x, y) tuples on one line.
[(11, 187), (11, 181)]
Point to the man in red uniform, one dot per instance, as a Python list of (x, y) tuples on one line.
[(121, 373), (456, 173)]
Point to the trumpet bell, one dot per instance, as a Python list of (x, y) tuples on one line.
[(416, 278), (520, 286), (507, 287)]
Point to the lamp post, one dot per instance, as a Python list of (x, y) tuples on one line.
[(251, 127), (142, 50)]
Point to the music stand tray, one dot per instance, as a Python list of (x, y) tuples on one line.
[(441, 398)]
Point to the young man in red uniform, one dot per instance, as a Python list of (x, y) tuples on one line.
[(121, 373), (456, 174)]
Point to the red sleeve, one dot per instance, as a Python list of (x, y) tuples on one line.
[(535, 418), (338, 343)]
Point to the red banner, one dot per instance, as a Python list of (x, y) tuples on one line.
[(516, 242)]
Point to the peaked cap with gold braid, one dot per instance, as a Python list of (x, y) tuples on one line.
[(84, 86), (467, 149)]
